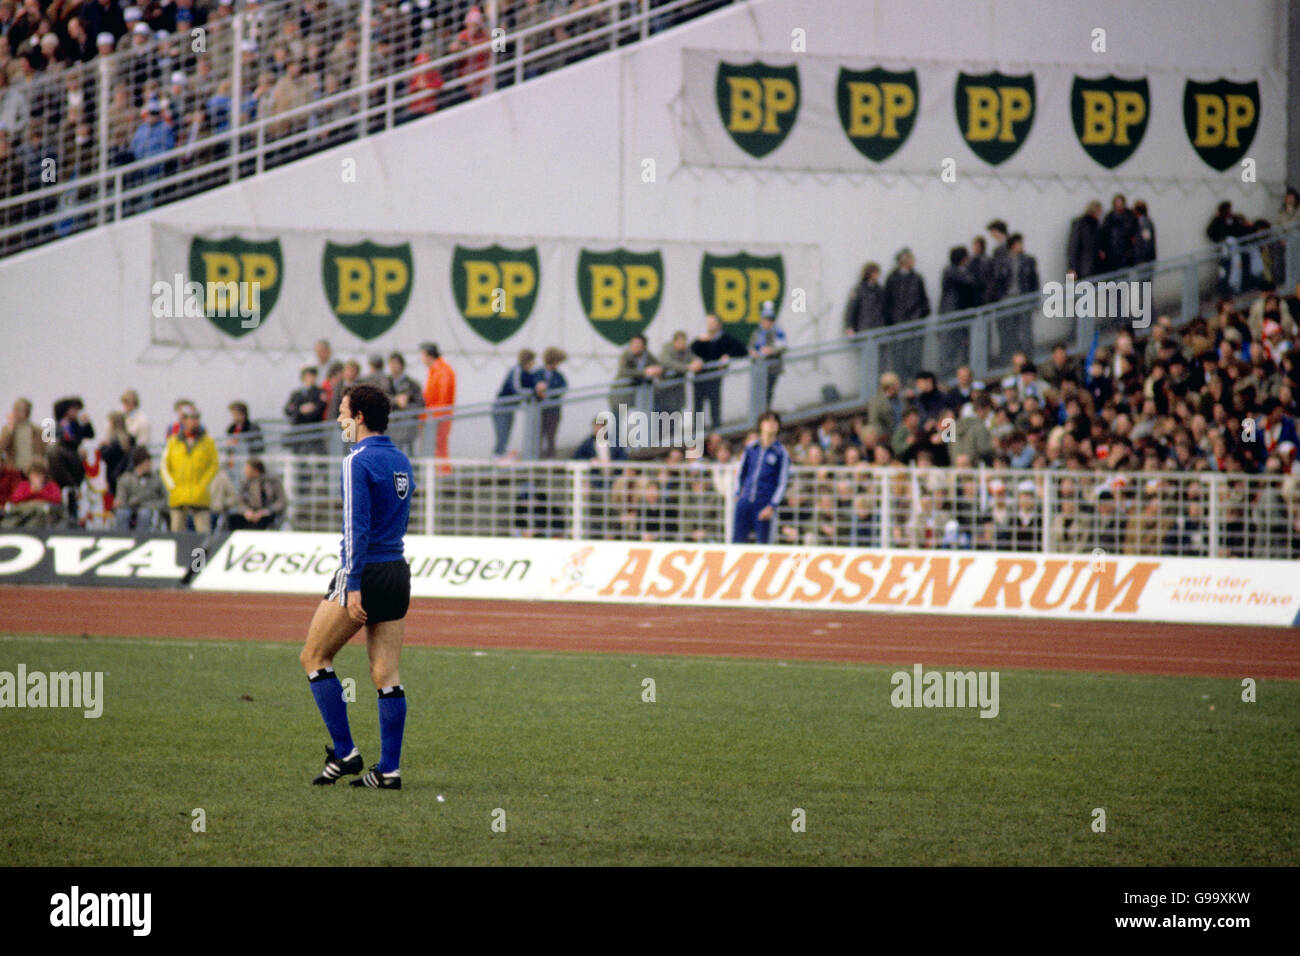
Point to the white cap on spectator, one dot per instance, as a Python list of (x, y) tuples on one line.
[(161, 35), (141, 29), (422, 4), (178, 78), (248, 46), (426, 25), (977, 386), (131, 14), (996, 485), (105, 39), (1026, 487), (1009, 382)]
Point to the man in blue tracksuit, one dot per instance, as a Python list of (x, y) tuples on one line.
[(760, 485), (371, 590)]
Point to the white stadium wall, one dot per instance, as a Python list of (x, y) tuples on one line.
[(562, 157)]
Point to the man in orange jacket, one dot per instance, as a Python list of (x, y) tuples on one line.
[(439, 396)]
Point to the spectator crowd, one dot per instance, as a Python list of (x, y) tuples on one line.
[(170, 69), (1218, 395)]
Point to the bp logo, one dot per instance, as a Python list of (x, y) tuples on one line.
[(401, 484), (758, 104), (620, 291), (1110, 116), (495, 288), (1221, 119), (240, 279), (995, 113), (367, 285), (734, 288), (877, 109)]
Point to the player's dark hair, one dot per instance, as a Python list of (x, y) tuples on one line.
[(772, 415), (372, 404), (257, 465)]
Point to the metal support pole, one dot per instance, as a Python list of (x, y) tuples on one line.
[(430, 493), (576, 474), (1191, 306), (236, 90), (979, 344)]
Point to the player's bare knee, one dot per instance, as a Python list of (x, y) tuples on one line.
[(312, 660), (384, 675)]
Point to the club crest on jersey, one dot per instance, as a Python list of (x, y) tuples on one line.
[(401, 484)]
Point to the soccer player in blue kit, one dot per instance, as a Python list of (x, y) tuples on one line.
[(371, 590)]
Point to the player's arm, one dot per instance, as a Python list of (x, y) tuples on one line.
[(356, 530), (783, 478), (743, 470)]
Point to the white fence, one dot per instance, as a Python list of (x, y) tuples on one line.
[(1204, 514)]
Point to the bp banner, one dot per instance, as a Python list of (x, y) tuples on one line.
[(796, 111), (283, 289)]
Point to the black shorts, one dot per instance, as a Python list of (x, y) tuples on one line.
[(385, 590)]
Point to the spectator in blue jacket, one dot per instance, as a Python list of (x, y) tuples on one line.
[(761, 482), (153, 137), (519, 386)]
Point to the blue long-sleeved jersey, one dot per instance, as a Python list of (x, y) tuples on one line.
[(764, 473), (377, 487)]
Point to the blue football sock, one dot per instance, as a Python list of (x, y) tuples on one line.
[(327, 690), (392, 722)]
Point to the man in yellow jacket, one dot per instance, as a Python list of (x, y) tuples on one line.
[(189, 465)]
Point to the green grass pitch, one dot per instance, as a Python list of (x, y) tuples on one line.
[(587, 772)]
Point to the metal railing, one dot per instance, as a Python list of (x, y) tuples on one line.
[(1199, 514), (259, 116)]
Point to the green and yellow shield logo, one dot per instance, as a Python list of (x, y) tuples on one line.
[(495, 288), (878, 109), (620, 291), (758, 104), (367, 285), (995, 113), (1221, 119), (1110, 116), (734, 288), (240, 281)]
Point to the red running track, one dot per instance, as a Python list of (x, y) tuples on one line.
[(982, 642)]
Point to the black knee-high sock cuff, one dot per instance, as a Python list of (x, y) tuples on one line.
[(325, 673), (394, 691)]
